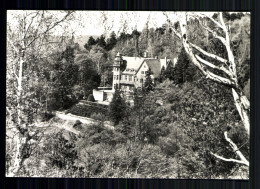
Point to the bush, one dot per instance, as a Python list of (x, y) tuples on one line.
[(87, 110), (78, 125), (47, 116), (61, 151), (97, 116), (91, 98)]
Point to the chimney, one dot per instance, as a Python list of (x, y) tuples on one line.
[(145, 54), (174, 61)]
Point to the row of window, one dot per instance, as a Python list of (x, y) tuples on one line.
[(123, 87), (118, 77), (116, 69)]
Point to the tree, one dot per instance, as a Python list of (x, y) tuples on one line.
[(148, 84), (89, 78), (90, 43), (64, 77), (136, 35), (101, 42), (28, 40), (169, 72), (183, 71), (223, 72), (111, 42), (91, 98), (117, 108), (99, 56), (162, 76)]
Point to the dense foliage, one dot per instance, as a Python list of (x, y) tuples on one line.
[(170, 131)]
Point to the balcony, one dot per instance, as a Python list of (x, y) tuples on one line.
[(127, 82)]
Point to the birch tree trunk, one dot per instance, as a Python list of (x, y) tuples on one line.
[(242, 105), (26, 41), (240, 100)]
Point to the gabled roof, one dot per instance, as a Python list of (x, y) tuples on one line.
[(155, 66), (133, 62)]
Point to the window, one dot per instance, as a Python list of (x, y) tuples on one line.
[(114, 77), (126, 77), (142, 72), (120, 77), (141, 80), (117, 77), (130, 78)]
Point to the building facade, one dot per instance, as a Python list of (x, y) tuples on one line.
[(130, 72)]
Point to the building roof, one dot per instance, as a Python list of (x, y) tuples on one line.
[(133, 62), (155, 66)]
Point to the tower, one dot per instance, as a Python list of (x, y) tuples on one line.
[(117, 71)]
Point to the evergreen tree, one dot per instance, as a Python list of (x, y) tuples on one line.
[(111, 42), (65, 76), (101, 42), (148, 84), (184, 71), (169, 72), (117, 108), (162, 76), (90, 43)]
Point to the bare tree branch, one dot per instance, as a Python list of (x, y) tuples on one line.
[(14, 47), (216, 22), (221, 68), (222, 39), (236, 150), (171, 24), (227, 44), (49, 28), (230, 159), (37, 13), (209, 54)]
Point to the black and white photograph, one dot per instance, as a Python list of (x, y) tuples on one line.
[(127, 94)]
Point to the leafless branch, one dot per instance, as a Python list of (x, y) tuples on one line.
[(171, 24), (236, 150), (221, 68), (229, 160), (209, 54), (216, 22), (14, 47), (222, 39), (49, 28), (37, 13)]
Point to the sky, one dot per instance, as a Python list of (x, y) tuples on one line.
[(92, 22), (94, 25), (104, 22)]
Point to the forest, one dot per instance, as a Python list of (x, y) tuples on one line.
[(192, 122)]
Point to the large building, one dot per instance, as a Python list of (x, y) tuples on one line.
[(129, 73)]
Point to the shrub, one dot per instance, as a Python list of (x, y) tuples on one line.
[(91, 98), (61, 151), (78, 125)]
